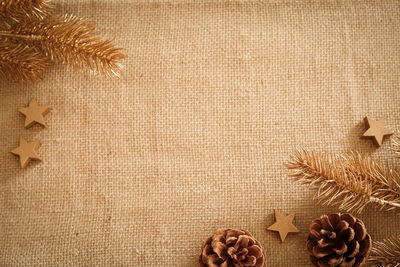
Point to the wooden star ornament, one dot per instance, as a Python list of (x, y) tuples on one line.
[(26, 151), (283, 225), (34, 113), (377, 130)]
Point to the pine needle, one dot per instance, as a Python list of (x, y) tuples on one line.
[(396, 145), (71, 40), (386, 253), (350, 181), (21, 9), (21, 63)]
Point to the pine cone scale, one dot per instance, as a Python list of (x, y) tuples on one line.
[(255, 251), (348, 263), (353, 249), (335, 261), (334, 218), (206, 250), (341, 248), (231, 241), (321, 252), (348, 218), (243, 242), (360, 230), (365, 246), (251, 261), (220, 249), (214, 260), (326, 224)]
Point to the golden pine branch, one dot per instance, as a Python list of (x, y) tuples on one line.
[(70, 40), (27, 27), (386, 253), (21, 63), (350, 181), (20, 9)]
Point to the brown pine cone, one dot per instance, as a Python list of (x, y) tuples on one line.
[(338, 240), (231, 248)]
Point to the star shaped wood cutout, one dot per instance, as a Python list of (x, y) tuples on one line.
[(34, 113), (26, 151), (283, 225), (377, 130)]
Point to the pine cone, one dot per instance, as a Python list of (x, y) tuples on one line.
[(232, 248), (338, 240)]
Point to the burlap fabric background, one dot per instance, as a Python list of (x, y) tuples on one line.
[(214, 97)]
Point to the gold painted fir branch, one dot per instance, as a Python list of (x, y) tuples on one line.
[(70, 40), (386, 253), (53, 38), (350, 181)]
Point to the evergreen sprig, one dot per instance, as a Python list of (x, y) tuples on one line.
[(28, 26), (350, 181)]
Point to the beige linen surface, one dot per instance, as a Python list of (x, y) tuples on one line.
[(214, 97)]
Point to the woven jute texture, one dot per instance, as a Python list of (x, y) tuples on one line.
[(214, 97)]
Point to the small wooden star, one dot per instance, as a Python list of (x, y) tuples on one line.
[(283, 225), (376, 130), (34, 113), (26, 151)]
